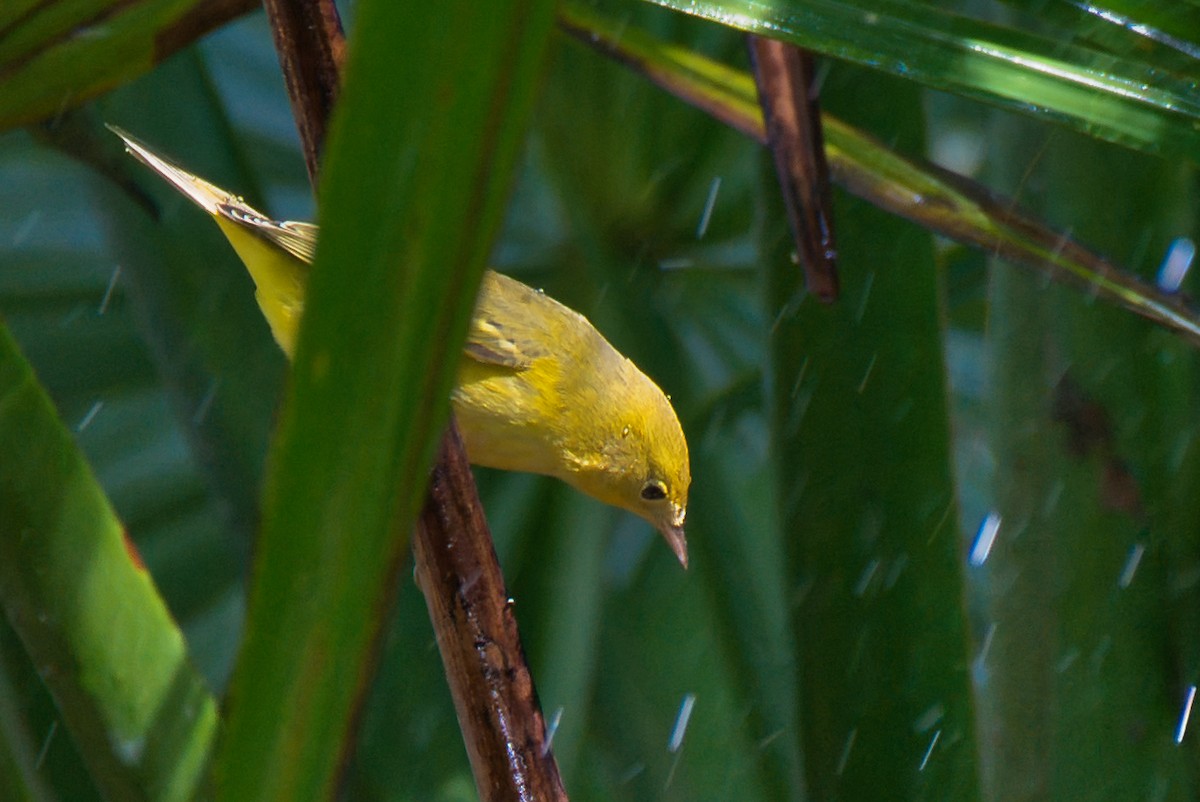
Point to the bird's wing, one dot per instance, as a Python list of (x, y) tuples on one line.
[(512, 325), (298, 239), (494, 342), (205, 195)]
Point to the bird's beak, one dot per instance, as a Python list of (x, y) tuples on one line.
[(676, 540)]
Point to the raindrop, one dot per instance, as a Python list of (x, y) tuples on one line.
[(631, 773), (129, 750), (678, 263), (800, 378), (902, 408), (845, 757), (980, 662), (89, 416), (1067, 661), (37, 764), (929, 719), (823, 68), (73, 315), (1185, 715), (1131, 565), (770, 739), (984, 539), (1053, 496), (206, 403), (864, 579), (866, 294), (681, 723), (1175, 264), (867, 376), (108, 291), (929, 751), (551, 729), (894, 572), (470, 580), (713, 188)]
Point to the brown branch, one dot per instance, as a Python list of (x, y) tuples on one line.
[(498, 710), (312, 51), (788, 96), (497, 705)]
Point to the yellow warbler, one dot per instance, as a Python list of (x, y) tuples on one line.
[(539, 389)]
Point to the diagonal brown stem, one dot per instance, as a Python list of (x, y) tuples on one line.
[(312, 52), (787, 93), (497, 705)]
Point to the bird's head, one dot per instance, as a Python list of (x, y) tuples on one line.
[(644, 464)]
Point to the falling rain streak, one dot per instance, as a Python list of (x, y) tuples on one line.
[(984, 539), (551, 729), (41, 757), (845, 758), (679, 263), (867, 376), (205, 405), (706, 216), (1185, 715), (89, 416), (981, 658), (932, 743), (1175, 264), (864, 579), (868, 283), (108, 292), (681, 723), (677, 733), (1131, 565)]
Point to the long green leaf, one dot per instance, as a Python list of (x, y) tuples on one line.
[(1166, 34), (88, 612), (1086, 602), (414, 187), (54, 56), (868, 506), (928, 195), (1122, 100)]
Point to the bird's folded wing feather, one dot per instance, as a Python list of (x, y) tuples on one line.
[(298, 239), (512, 324)]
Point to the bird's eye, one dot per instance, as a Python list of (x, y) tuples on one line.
[(654, 491)]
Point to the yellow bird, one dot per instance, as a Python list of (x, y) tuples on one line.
[(539, 389)]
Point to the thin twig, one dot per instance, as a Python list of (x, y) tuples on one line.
[(312, 52), (788, 93)]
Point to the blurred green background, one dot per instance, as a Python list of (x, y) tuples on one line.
[(837, 640)]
